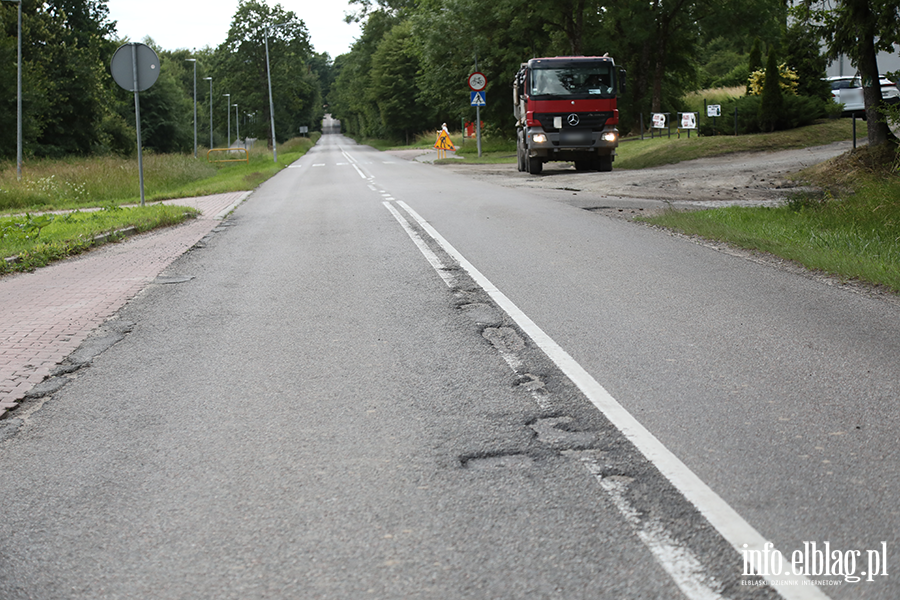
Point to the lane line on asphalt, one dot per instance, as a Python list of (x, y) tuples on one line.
[(738, 532), (430, 256)]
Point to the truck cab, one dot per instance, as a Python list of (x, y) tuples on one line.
[(565, 109)]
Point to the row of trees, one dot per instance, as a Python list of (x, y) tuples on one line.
[(407, 71), (71, 104)]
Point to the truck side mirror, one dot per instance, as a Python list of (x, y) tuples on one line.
[(622, 81)]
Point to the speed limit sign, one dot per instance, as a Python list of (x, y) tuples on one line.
[(477, 81)]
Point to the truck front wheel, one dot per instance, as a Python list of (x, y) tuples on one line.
[(604, 162), (520, 154), (535, 166)]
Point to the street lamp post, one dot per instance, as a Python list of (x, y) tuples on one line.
[(194, 60), (210, 114), (271, 104), (19, 98), (229, 119), (237, 124)]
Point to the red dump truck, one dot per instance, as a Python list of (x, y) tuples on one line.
[(565, 109)]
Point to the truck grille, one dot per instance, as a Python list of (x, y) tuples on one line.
[(594, 121)]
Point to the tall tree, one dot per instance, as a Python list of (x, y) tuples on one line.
[(395, 66), (860, 29), (240, 68), (772, 103), (65, 74)]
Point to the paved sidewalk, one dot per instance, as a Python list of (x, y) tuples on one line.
[(47, 314)]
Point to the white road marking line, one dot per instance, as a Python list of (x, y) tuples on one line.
[(682, 565), (738, 532), (361, 174), (430, 256), (319, 165)]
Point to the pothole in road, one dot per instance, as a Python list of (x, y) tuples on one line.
[(483, 314), (563, 433), (504, 339)]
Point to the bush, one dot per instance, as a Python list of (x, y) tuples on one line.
[(796, 111), (771, 107)]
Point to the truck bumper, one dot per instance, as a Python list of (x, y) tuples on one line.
[(571, 144)]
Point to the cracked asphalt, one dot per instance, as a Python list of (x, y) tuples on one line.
[(304, 407)]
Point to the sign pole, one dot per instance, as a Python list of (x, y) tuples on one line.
[(137, 119), (136, 73), (478, 128)]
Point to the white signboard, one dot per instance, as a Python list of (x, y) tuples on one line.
[(713, 110), (688, 120), (659, 121)]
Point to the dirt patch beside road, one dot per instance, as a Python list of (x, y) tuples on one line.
[(749, 179)]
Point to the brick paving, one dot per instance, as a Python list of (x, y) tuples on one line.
[(45, 315)]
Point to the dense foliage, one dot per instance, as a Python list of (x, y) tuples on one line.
[(668, 48), (406, 72), (72, 106)]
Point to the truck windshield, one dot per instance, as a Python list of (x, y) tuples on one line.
[(583, 81)]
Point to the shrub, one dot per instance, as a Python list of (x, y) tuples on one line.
[(771, 107), (796, 111), (787, 77)]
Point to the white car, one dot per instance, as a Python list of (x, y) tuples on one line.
[(847, 90)]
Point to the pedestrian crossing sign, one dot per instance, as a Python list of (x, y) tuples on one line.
[(478, 98)]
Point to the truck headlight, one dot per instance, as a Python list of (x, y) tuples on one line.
[(609, 136), (539, 138)]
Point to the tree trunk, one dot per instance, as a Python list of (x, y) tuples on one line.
[(867, 64), (659, 70)]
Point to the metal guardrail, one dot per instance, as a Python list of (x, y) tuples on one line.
[(246, 158)]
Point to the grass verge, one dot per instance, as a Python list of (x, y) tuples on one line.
[(28, 242), (852, 230), (35, 240), (82, 182)]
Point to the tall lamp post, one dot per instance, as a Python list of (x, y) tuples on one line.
[(210, 113), (229, 119), (237, 124), (271, 105), (194, 60), (19, 98)]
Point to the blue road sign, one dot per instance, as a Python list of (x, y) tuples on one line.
[(478, 98)]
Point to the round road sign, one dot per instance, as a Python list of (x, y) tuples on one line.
[(477, 81), (124, 62)]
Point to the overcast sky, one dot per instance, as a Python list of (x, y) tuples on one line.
[(193, 24)]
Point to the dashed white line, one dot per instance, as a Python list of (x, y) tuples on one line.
[(423, 247)]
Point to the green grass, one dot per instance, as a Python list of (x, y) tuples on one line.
[(97, 181), (37, 240), (78, 183), (855, 236)]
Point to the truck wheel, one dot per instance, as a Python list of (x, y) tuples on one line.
[(604, 163), (535, 166)]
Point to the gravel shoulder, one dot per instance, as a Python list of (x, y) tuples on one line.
[(747, 179)]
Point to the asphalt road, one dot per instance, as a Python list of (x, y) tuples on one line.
[(360, 388)]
